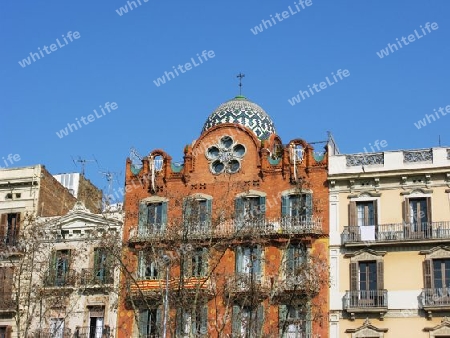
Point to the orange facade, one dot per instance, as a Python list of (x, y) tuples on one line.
[(231, 243)]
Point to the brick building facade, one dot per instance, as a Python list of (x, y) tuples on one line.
[(232, 242)]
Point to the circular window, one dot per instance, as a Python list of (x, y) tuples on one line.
[(217, 167), (212, 153), (239, 150), (226, 141), (233, 166)]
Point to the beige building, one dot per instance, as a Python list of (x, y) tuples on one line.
[(390, 243), (26, 194)]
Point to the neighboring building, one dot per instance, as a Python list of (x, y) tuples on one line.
[(77, 276), (237, 234), (390, 243), (26, 193), (83, 190)]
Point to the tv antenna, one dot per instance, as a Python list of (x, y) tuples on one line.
[(83, 163)]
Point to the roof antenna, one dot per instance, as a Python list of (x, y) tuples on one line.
[(240, 76)]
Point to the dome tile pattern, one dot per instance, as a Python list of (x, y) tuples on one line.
[(244, 112)]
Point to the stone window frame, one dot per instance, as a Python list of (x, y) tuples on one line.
[(367, 330)]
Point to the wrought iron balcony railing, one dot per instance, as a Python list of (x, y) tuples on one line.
[(435, 298), (238, 227), (246, 282), (91, 332), (51, 333), (91, 277), (365, 299), (396, 232), (60, 278)]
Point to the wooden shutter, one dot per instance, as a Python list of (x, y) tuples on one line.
[(187, 210), (8, 332), (262, 207), (204, 320), (143, 322), (143, 216), (427, 278), (163, 215), (380, 275), (3, 227), (239, 259), (257, 253), (282, 316), (239, 208), (406, 211), (375, 212), (179, 322), (259, 320), (236, 321), (353, 276), (353, 221), (205, 266), (6, 282), (290, 266), (141, 265), (285, 205), (308, 205), (208, 212), (429, 219), (158, 322), (186, 260)]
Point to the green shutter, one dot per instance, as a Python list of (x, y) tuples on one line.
[(257, 252), (143, 216), (290, 266), (262, 206), (141, 265), (285, 205), (239, 259), (163, 215), (204, 320), (187, 210), (260, 320), (158, 322), (239, 208), (143, 322), (205, 266), (308, 206), (236, 322), (179, 322), (208, 212), (282, 316)]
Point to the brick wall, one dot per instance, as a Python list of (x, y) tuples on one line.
[(90, 195)]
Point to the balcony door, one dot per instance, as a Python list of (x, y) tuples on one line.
[(367, 284), (418, 216), (95, 327)]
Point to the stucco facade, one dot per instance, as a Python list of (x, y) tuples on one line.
[(389, 232)]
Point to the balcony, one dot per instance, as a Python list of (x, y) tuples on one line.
[(358, 301), (396, 233), (60, 279), (245, 286), (236, 228), (436, 299), (285, 287), (96, 277), (50, 333), (91, 332)]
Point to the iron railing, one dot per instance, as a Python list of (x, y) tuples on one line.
[(365, 299), (286, 225), (91, 332), (435, 297), (51, 333), (60, 278), (396, 232), (100, 276)]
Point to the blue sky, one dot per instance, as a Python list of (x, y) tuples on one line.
[(117, 58)]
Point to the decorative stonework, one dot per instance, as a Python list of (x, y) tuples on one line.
[(225, 156), (367, 330), (244, 112), (413, 156), (448, 154), (364, 159)]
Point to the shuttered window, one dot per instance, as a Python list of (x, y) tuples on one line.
[(417, 212), (150, 322), (197, 213), (248, 260), (196, 263), (6, 286), (152, 217), (362, 213), (295, 257), (192, 322), (251, 207), (247, 321), (59, 268), (297, 205), (147, 266), (293, 321), (9, 228), (367, 275)]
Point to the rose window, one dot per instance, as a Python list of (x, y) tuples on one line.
[(226, 156)]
